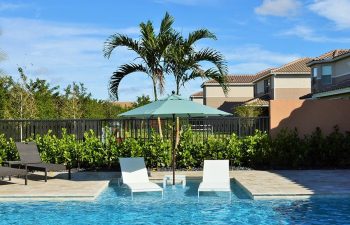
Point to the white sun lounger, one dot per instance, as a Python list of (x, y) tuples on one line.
[(215, 176), (135, 177)]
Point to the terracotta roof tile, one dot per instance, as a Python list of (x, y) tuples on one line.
[(197, 94), (257, 102), (237, 78), (262, 74), (332, 54), (295, 67)]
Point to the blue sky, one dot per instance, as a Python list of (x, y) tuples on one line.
[(62, 40)]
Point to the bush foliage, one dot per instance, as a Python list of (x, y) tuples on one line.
[(286, 151)]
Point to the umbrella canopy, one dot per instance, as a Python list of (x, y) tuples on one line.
[(173, 105), (170, 107)]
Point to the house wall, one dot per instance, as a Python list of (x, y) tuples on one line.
[(341, 67), (234, 91), (215, 97), (217, 102), (340, 73), (197, 100), (291, 86), (306, 115), (260, 87)]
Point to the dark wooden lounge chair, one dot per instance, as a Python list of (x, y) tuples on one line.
[(8, 172), (30, 158)]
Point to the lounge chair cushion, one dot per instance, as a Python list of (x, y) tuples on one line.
[(214, 187), (46, 166), (7, 171), (215, 176), (143, 187)]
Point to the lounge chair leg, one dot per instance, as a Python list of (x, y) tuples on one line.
[(45, 175), (25, 180), (9, 178)]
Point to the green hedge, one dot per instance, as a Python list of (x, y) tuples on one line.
[(286, 151)]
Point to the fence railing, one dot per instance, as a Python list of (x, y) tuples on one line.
[(20, 130)]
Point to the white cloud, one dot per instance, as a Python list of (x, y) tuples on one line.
[(249, 68), (62, 53), (309, 34), (10, 6), (256, 54), (336, 11), (253, 58), (278, 8), (304, 32)]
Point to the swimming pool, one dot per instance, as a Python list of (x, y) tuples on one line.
[(179, 206)]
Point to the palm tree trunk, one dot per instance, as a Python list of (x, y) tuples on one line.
[(177, 87), (155, 89)]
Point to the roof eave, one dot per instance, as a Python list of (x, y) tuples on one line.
[(261, 78), (217, 84), (332, 92), (291, 73), (312, 62)]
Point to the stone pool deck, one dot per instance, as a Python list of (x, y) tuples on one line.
[(84, 186), (87, 186)]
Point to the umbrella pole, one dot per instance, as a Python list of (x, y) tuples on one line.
[(173, 148)]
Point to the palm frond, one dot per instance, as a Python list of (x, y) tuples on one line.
[(210, 74), (211, 56), (198, 35), (123, 71), (118, 40), (166, 24)]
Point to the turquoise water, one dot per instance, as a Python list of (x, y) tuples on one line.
[(179, 206)]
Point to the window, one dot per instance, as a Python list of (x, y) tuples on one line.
[(266, 86), (255, 90), (326, 74), (314, 72)]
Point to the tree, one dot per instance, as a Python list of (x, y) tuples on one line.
[(74, 98), (2, 58), (247, 111), (183, 61), (150, 49), (46, 98), (141, 100), (21, 102), (5, 85)]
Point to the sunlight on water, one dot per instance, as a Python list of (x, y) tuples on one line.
[(179, 206)]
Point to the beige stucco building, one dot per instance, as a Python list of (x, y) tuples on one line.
[(240, 90), (197, 97), (331, 75), (289, 81)]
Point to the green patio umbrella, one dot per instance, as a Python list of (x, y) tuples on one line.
[(171, 107)]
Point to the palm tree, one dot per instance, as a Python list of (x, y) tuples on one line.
[(183, 61), (150, 49)]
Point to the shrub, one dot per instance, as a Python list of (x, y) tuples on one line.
[(287, 150)]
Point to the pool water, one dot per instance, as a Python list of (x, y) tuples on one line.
[(179, 206)]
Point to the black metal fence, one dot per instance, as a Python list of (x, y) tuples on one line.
[(136, 128)]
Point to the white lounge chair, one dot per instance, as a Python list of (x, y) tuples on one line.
[(215, 177), (135, 177)]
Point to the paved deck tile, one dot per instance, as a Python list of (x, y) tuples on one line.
[(87, 186)]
